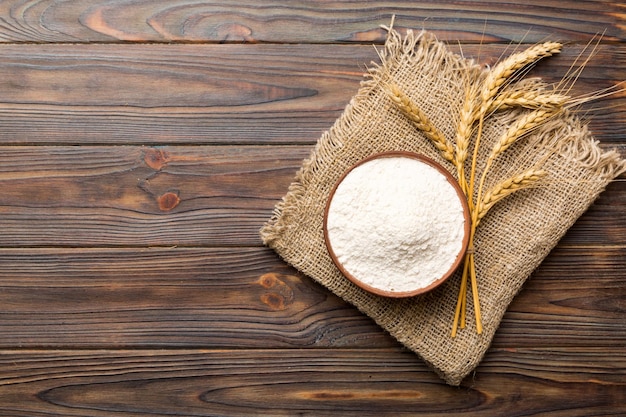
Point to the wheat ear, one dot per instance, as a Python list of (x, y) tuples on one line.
[(421, 121), (505, 69), (464, 134), (505, 188), (527, 99), (523, 125)]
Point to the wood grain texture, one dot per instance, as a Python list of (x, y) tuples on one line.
[(574, 285), (236, 297), (103, 196), (227, 94), (170, 298), (601, 224), (311, 21), (295, 382), (144, 143), (178, 195)]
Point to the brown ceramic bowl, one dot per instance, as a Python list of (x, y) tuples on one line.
[(465, 235)]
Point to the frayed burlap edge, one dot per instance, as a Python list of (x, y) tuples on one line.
[(511, 242)]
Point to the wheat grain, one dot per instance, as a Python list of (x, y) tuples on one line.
[(421, 122), (505, 188)]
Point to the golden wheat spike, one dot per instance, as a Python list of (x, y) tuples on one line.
[(523, 125), (505, 188), (503, 71), (464, 133), (421, 121), (528, 99)]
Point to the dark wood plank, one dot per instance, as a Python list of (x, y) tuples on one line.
[(169, 298), (545, 382), (178, 195), (111, 94), (605, 220), (225, 94), (236, 297), (312, 21), (134, 178), (562, 302), (136, 196)]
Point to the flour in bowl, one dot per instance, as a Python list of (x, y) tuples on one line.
[(396, 223)]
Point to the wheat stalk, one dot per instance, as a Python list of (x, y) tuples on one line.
[(505, 188), (489, 91), (421, 122), (522, 126)]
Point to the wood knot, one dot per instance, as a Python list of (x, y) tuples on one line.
[(156, 158), (273, 300), (269, 280), (168, 201), (234, 32), (281, 295)]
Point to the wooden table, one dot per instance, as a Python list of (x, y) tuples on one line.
[(143, 145)]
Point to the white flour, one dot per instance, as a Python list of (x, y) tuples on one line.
[(396, 224)]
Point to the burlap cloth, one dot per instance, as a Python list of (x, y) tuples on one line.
[(511, 240)]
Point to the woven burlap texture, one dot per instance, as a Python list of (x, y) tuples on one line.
[(511, 240)]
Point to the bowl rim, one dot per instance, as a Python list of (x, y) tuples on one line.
[(466, 227)]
